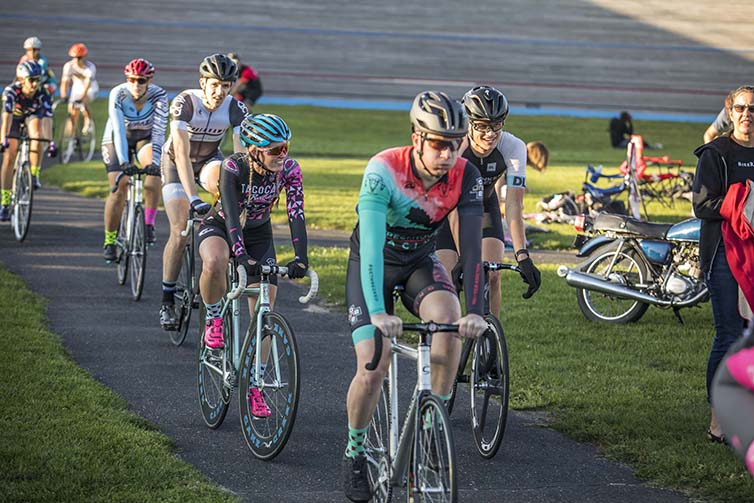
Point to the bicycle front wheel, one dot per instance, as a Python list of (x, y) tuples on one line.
[(87, 142), (216, 376), (489, 388), (122, 244), (377, 449), (184, 300), (279, 385), (22, 199), (433, 467), (138, 252)]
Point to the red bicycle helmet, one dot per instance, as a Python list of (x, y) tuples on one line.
[(139, 68), (78, 51)]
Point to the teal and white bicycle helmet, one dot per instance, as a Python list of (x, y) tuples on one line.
[(262, 130)]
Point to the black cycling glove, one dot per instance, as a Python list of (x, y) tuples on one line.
[(531, 276), (253, 268), (297, 268), (200, 207)]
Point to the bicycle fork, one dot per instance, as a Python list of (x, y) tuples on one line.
[(257, 379)]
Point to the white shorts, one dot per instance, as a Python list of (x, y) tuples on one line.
[(77, 91)]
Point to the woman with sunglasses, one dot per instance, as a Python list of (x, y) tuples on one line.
[(24, 101), (724, 161), (239, 223), (78, 83), (136, 122), (501, 158)]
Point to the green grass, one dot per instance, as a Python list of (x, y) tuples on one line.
[(637, 391), (66, 437)]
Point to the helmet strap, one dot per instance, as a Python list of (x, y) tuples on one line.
[(420, 152), (255, 159)]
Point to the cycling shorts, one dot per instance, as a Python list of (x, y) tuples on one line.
[(257, 241), (492, 227), (135, 143), (170, 170)]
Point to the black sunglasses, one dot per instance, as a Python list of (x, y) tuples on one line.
[(441, 145), (741, 108)]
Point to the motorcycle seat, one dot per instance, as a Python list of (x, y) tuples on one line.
[(627, 225)]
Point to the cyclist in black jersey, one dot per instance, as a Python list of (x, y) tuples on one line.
[(501, 158), (191, 156), (24, 102)]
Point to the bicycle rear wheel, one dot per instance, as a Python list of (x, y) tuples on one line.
[(216, 376), (377, 449), (22, 199), (87, 141), (122, 244), (138, 252), (433, 457), (266, 437), (184, 300), (489, 388)]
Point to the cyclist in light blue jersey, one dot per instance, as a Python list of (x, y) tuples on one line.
[(137, 118)]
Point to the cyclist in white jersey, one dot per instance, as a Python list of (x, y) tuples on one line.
[(78, 83), (501, 158), (199, 119), (137, 117)]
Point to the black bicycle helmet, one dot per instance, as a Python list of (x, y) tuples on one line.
[(218, 66), (485, 103), (437, 113)]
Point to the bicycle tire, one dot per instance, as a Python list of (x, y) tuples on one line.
[(489, 388), (266, 437), (461, 375), (138, 252), (59, 121), (23, 196), (87, 141), (377, 449), (122, 251), (433, 457), (214, 390), (184, 300)]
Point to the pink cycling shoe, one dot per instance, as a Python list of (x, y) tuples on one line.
[(213, 334), (258, 406)]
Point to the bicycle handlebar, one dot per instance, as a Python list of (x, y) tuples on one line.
[(189, 222), (499, 266), (429, 328), (280, 271), (130, 170)]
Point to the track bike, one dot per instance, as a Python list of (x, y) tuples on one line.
[(22, 194), (187, 284), (131, 244), (266, 358), (75, 145), (421, 455), (488, 378)]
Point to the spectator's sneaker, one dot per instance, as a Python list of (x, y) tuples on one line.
[(657, 146), (168, 318), (149, 234), (356, 478), (259, 407), (110, 253), (36, 183), (4, 213), (213, 334)]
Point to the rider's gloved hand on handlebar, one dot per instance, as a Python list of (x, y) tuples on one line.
[(253, 267), (127, 169), (154, 170), (4, 145), (199, 206), (297, 268), (531, 276), (52, 150)]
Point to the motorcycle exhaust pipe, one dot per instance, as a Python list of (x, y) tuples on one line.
[(578, 279)]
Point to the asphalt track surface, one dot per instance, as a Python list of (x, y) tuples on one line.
[(653, 55), (120, 343)]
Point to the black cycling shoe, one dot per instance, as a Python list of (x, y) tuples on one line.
[(356, 478), (4, 213), (168, 318), (110, 253), (149, 235)]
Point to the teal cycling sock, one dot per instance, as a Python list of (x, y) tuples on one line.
[(355, 441)]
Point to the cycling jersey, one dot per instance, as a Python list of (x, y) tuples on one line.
[(126, 125), (399, 219), (244, 189), (48, 77), (205, 129), (77, 75), (21, 106)]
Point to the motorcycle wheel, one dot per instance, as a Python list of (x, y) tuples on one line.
[(628, 270)]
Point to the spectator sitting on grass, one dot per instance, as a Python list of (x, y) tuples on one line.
[(621, 129)]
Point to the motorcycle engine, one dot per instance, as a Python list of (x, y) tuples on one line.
[(678, 284)]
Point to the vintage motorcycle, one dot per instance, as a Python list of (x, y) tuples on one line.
[(633, 264)]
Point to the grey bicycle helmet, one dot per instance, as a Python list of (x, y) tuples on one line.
[(218, 66), (437, 113), (485, 103), (32, 43)]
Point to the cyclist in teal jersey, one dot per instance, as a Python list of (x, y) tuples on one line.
[(406, 194)]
